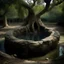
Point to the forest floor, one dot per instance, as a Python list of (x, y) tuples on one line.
[(50, 25)]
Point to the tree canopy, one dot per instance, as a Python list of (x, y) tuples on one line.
[(25, 8)]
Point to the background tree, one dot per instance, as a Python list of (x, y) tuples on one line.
[(4, 7), (7, 9)]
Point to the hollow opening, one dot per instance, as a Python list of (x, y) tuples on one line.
[(35, 36), (35, 26)]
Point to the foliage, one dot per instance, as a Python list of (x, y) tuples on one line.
[(55, 14), (38, 8), (12, 12), (4, 6), (22, 12)]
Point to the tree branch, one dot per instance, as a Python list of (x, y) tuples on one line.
[(34, 1), (48, 8), (30, 11), (43, 11), (55, 4), (25, 5)]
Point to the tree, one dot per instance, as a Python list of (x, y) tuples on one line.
[(5, 10), (4, 6), (33, 21)]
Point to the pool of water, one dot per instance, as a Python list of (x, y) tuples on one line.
[(2, 45), (33, 36)]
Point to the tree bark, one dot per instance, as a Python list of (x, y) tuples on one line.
[(5, 24)]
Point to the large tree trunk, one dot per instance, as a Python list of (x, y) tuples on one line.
[(34, 23)]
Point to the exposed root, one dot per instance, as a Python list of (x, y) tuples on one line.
[(35, 26)]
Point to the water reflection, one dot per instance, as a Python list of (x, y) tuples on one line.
[(2, 46), (33, 36), (61, 49)]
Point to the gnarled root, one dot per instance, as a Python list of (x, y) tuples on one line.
[(34, 26)]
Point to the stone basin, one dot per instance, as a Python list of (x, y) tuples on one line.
[(24, 44)]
